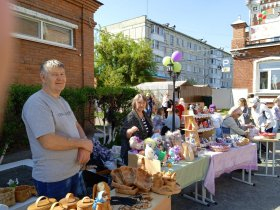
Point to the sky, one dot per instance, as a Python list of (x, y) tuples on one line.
[(205, 19)]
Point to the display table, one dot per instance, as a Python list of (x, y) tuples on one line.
[(188, 173), (260, 140), (161, 202), (244, 157), (23, 205)]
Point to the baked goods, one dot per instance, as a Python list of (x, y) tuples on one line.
[(129, 180), (217, 147), (268, 135), (242, 142), (164, 183)]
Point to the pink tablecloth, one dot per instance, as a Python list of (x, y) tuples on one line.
[(244, 157)]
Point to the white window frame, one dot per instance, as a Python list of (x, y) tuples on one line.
[(42, 18), (256, 75)]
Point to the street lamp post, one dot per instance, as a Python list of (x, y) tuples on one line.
[(174, 70), (174, 76)]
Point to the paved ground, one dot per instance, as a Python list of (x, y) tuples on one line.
[(234, 195), (230, 194)]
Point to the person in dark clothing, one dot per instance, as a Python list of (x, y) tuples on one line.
[(150, 104), (137, 123)]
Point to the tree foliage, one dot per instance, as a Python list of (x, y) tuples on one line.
[(120, 60)]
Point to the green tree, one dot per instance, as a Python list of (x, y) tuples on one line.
[(122, 61)]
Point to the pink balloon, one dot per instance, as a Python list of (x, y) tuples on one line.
[(176, 56)]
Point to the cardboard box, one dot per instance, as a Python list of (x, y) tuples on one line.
[(136, 161)]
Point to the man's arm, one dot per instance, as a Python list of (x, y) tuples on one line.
[(60, 143), (83, 155), (81, 131)]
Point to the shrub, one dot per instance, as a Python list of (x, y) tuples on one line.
[(81, 100)]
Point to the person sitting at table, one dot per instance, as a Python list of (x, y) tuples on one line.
[(231, 125), (137, 123)]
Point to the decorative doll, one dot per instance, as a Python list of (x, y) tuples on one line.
[(136, 144), (102, 201)]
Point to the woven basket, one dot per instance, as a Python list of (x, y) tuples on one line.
[(220, 148), (243, 142), (23, 192), (7, 196)]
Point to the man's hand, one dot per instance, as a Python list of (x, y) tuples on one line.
[(83, 156), (87, 145)]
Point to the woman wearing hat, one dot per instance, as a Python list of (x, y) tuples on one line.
[(261, 115)]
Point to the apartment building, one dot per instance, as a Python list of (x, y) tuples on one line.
[(256, 50), (201, 63)]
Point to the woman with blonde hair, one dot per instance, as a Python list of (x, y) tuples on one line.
[(137, 123)]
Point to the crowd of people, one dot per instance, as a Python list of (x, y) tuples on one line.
[(58, 141), (249, 117)]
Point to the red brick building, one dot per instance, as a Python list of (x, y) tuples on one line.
[(256, 50), (54, 29)]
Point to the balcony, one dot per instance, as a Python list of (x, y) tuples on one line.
[(157, 37)]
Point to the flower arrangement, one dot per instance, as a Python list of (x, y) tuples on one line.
[(13, 183)]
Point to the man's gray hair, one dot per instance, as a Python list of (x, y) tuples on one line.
[(50, 64), (234, 109)]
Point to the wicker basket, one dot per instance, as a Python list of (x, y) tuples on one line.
[(7, 196), (243, 142), (220, 148), (23, 192)]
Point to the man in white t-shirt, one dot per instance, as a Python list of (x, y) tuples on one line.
[(58, 143), (261, 115)]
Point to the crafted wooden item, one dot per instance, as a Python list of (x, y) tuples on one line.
[(42, 203), (85, 204), (7, 196), (70, 201), (24, 192)]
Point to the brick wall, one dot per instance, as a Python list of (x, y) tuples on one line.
[(243, 74), (79, 62), (244, 58)]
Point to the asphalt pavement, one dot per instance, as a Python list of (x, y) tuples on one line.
[(234, 195)]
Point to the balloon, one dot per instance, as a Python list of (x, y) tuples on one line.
[(260, 19), (264, 16), (260, 15), (264, 12), (177, 67), (166, 60), (176, 56)]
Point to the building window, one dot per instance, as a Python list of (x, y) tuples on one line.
[(57, 34), (269, 75), (263, 80), (28, 27), (171, 40), (38, 27), (178, 41), (153, 29)]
